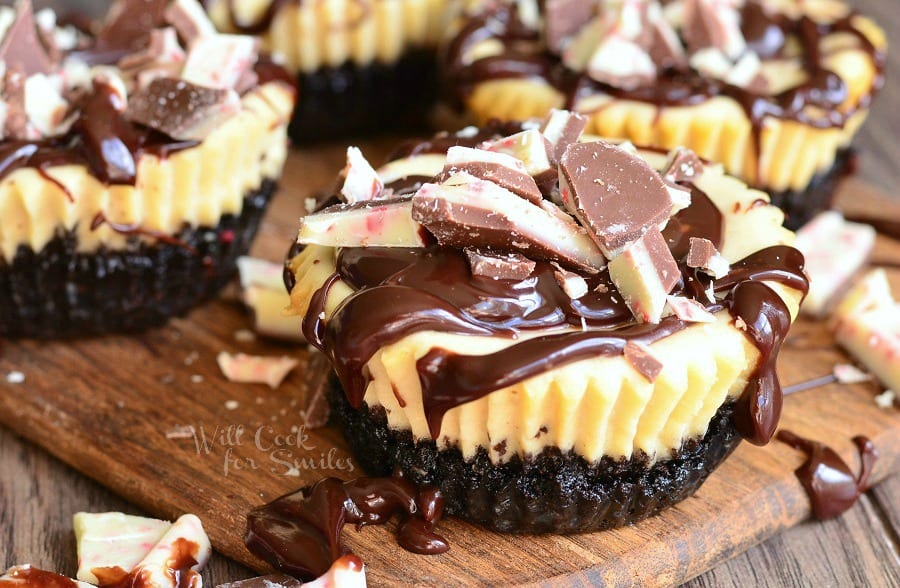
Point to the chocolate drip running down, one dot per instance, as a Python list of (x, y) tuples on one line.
[(526, 57), (828, 480), (178, 572), (300, 533)]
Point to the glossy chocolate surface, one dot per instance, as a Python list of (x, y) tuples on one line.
[(831, 485), (300, 533)]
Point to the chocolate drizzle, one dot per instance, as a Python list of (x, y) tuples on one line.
[(828, 480), (300, 533), (30, 577), (525, 56), (179, 570), (101, 140)]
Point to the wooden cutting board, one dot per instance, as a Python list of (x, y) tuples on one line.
[(105, 406)]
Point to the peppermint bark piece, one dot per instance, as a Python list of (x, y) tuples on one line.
[(361, 181), (499, 266), (371, 223), (644, 274), (504, 170), (466, 211), (615, 194)]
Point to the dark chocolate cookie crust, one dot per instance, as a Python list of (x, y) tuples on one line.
[(59, 292), (352, 101), (553, 492), (800, 206)]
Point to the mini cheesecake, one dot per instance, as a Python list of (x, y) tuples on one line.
[(135, 165), (562, 333), (361, 67), (774, 90)]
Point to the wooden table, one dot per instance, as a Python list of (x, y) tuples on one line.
[(38, 494)]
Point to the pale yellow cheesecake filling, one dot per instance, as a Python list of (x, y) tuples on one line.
[(595, 407), (718, 129), (311, 34), (195, 186)]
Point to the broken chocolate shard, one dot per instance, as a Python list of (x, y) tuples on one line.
[(499, 266), (689, 310), (571, 283), (615, 194), (642, 359), (181, 110), (713, 23), (271, 581), (663, 45), (621, 63), (644, 274), (127, 27), (162, 52), (16, 124), (561, 128), (563, 19), (466, 211), (683, 166), (220, 61), (504, 170), (702, 254), (21, 49)]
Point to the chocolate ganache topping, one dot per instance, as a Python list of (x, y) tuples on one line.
[(680, 53), (155, 79), (565, 309)]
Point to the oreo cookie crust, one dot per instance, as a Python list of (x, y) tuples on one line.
[(60, 292), (352, 100), (552, 492), (800, 206)]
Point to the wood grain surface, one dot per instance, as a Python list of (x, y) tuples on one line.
[(38, 493)]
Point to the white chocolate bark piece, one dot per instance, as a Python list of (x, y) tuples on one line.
[(113, 539), (361, 181), (835, 251), (189, 18), (263, 291), (644, 274), (868, 327), (530, 147), (26, 576), (185, 537), (255, 369), (465, 211), (219, 61), (374, 223)]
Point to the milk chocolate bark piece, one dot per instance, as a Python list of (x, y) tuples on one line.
[(563, 19), (561, 128), (271, 581), (713, 23), (615, 194), (683, 166), (128, 25), (644, 275), (162, 53), (504, 170), (642, 359), (499, 266), (361, 181), (372, 223), (702, 254), (571, 283), (689, 310), (21, 49), (466, 211), (182, 110)]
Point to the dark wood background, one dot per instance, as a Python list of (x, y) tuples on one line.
[(39, 494)]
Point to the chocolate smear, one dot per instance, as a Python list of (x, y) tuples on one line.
[(300, 533), (831, 485)]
